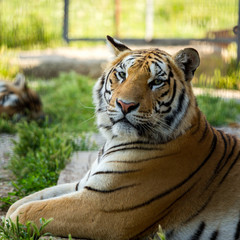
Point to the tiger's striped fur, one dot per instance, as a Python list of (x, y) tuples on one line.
[(17, 99), (162, 162)]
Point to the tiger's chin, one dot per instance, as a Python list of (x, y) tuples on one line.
[(125, 130)]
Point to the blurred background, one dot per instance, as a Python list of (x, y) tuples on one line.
[(71, 33), (62, 42)]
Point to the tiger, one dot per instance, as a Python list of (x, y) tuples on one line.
[(162, 162), (18, 101)]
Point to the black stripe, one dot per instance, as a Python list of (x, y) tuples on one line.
[(130, 59), (167, 111), (204, 132), (128, 143), (158, 65), (201, 209), (213, 146), (107, 127), (237, 233), (107, 91), (229, 139), (170, 73), (234, 162), (101, 110), (169, 234), (115, 172), (127, 149), (142, 160), (198, 123), (106, 84), (89, 173), (209, 199), (224, 153), (167, 104), (153, 225), (108, 191), (165, 93), (76, 188), (230, 155), (158, 56), (169, 119), (199, 231), (181, 196), (103, 78), (214, 235), (216, 171)]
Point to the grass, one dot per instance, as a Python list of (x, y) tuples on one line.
[(219, 111), (17, 231), (7, 69), (68, 101), (38, 157), (228, 78)]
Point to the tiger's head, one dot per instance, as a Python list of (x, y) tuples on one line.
[(146, 94), (17, 99)]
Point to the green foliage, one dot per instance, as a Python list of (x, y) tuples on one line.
[(219, 111), (160, 234), (17, 231), (68, 101), (7, 68), (12, 197), (230, 80), (39, 156), (7, 126), (30, 22)]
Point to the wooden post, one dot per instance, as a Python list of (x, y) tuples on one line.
[(65, 20), (149, 20), (117, 17), (238, 35)]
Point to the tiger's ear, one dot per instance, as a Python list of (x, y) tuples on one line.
[(20, 81), (188, 60), (116, 46)]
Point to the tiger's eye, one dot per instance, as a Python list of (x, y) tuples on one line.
[(156, 81), (122, 74)]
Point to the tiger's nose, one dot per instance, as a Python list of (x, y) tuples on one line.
[(125, 106)]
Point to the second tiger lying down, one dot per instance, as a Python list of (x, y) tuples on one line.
[(19, 101), (162, 162)]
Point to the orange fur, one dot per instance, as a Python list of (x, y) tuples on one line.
[(152, 175)]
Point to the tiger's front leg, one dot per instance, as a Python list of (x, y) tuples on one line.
[(47, 193), (80, 214)]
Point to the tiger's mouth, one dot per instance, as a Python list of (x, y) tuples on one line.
[(123, 121), (124, 126)]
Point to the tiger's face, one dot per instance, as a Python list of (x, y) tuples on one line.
[(17, 99), (146, 94)]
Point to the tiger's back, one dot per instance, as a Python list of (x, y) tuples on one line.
[(162, 162)]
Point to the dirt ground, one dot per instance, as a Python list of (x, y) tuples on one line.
[(49, 63), (6, 177)]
